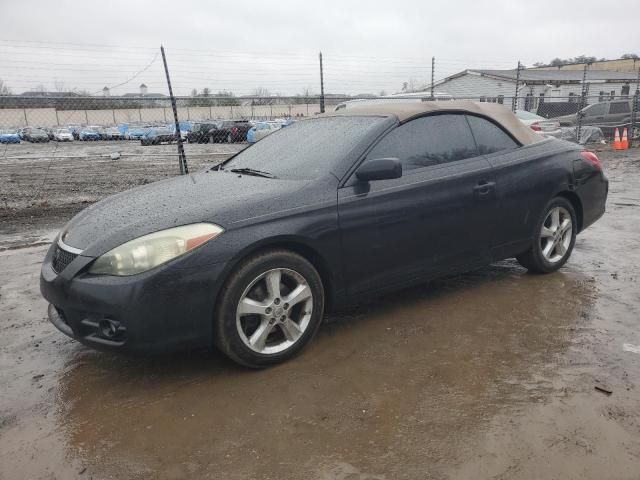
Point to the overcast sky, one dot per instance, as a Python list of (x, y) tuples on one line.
[(368, 46)]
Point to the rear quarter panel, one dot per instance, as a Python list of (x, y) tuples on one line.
[(526, 179)]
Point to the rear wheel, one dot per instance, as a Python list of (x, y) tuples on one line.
[(554, 238), (269, 309)]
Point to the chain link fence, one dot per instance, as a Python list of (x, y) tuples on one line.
[(62, 150)]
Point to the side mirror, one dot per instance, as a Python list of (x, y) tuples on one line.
[(379, 169)]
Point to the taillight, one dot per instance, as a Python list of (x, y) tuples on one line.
[(536, 127), (591, 158), (234, 130)]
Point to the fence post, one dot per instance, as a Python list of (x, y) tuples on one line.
[(181, 157), (321, 86), (433, 67), (634, 111), (583, 101), (26, 122), (514, 103)]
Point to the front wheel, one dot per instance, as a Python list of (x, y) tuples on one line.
[(554, 238), (269, 309)]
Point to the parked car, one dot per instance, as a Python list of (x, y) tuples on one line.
[(158, 135), (549, 128), (261, 130), (88, 134), (136, 132), (328, 211), (62, 135), (109, 133), (35, 135), (230, 131), (605, 115), (75, 130), (9, 136), (200, 132)]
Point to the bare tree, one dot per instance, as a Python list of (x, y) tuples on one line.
[(630, 56), (4, 88), (263, 96), (410, 86), (194, 92), (58, 86), (40, 88)]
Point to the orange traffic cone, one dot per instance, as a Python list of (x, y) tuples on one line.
[(624, 143), (617, 144)]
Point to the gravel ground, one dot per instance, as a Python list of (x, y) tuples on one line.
[(52, 181), (488, 374)]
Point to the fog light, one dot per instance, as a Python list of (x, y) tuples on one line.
[(108, 328)]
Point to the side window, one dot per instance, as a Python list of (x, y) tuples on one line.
[(428, 141), (489, 137), (619, 107), (596, 110)]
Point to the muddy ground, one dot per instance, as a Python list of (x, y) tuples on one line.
[(489, 374), (52, 181)]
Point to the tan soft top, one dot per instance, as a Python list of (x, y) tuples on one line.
[(404, 110)]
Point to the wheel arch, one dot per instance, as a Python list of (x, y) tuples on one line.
[(294, 244), (576, 203)]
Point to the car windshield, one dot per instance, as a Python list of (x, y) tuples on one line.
[(62, 130), (306, 149)]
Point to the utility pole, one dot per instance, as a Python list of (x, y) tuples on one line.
[(433, 65), (181, 156), (514, 103), (636, 106), (583, 100), (321, 86)]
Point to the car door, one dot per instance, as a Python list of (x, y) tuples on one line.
[(436, 218), (522, 185), (595, 114)]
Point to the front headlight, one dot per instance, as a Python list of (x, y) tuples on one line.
[(149, 251)]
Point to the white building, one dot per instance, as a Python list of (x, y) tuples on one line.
[(534, 85)]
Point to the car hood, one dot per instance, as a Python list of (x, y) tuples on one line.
[(223, 198)]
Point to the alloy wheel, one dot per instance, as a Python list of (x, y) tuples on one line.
[(274, 311), (556, 234)]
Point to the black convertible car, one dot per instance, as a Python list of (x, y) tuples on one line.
[(248, 255)]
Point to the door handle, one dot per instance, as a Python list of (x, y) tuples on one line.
[(483, 188)]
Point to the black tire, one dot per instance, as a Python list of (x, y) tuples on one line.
[(533, 259), (226, 336)]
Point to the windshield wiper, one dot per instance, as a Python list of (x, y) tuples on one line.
[(252, 171)]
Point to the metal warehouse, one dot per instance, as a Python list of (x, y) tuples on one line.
[(536, 85)]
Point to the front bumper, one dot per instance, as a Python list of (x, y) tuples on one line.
[(167, 308)]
